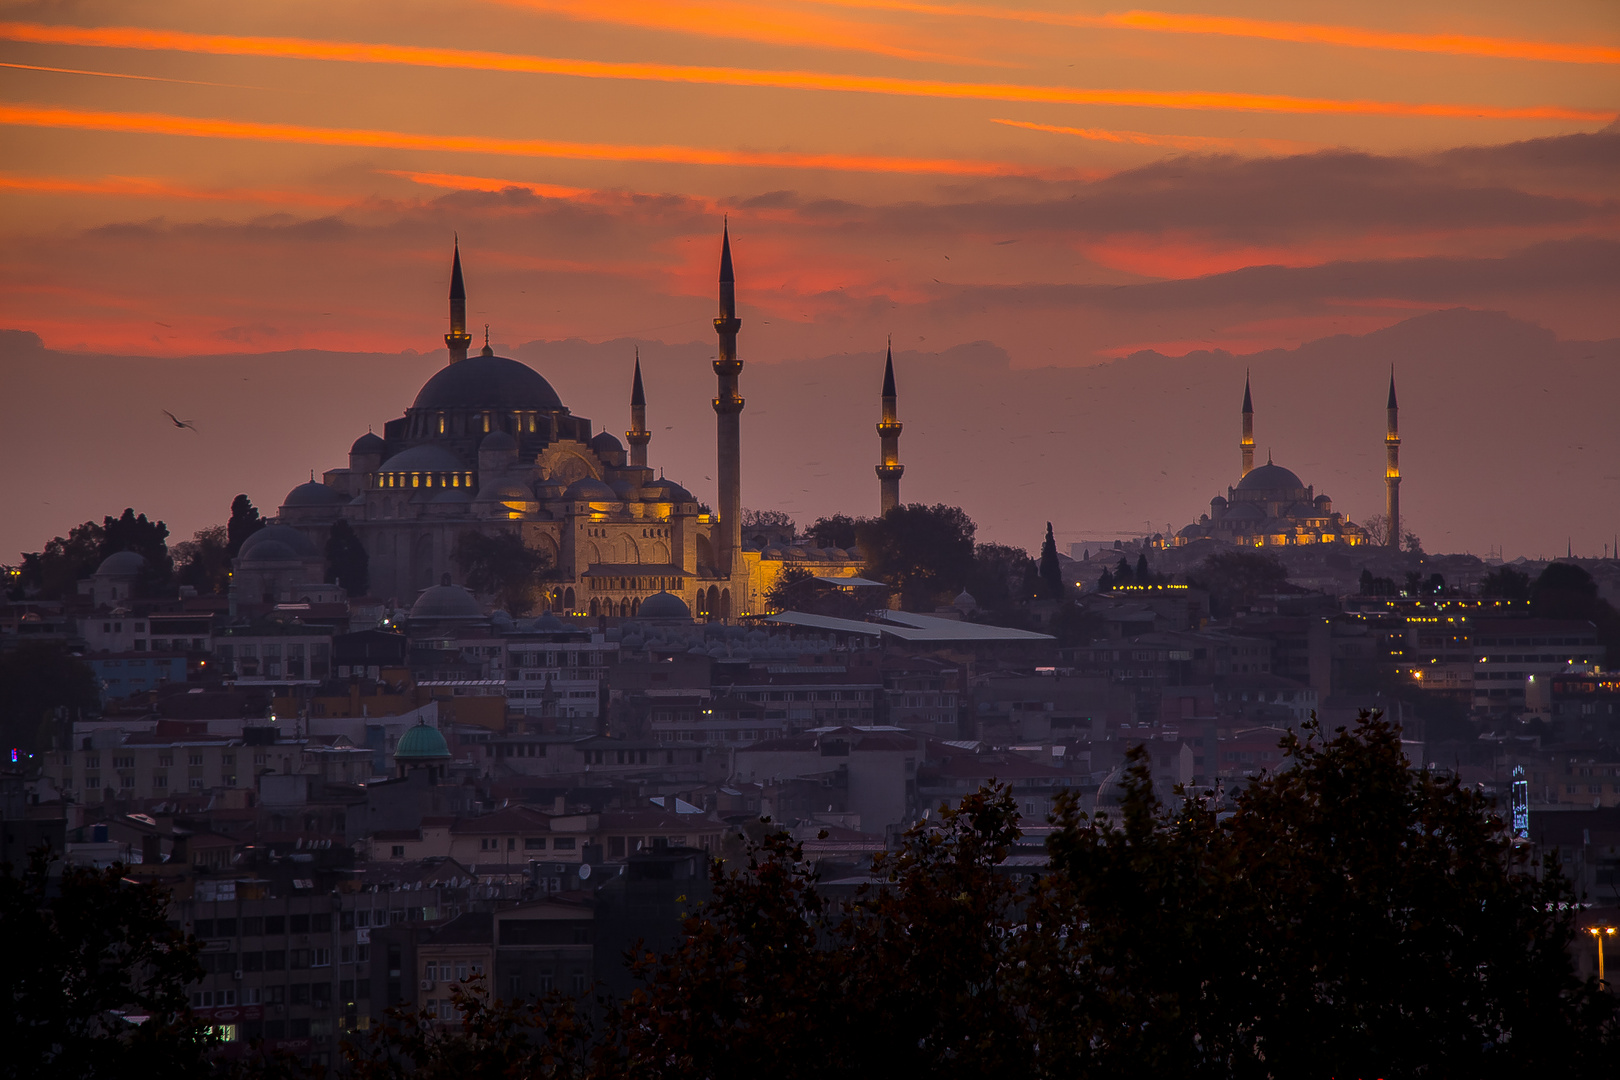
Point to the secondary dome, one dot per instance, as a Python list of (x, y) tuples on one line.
[(277, 543), (1270, 477), (424, 458), (607, 443), (669, 491), (446, 602), (314, 493), (497, 440), (480, 382), (590, 489), (664, 605), (368, 443), (122, 564), (422, 743)]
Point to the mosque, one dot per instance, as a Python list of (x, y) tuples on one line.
[(488, 446), (1272, 507)]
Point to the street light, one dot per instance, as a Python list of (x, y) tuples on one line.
[(1598, 933)]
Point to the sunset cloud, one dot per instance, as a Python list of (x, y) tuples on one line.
[(1179, 142), (424, 56)]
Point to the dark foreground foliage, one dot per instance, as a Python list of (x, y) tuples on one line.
[(1349, 917)]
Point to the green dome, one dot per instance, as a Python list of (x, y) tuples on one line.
[(422, 743)]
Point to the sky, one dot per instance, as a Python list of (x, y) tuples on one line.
[(1058, 185)]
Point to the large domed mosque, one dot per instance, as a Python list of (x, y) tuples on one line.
[(1272, 507), (487, 445)]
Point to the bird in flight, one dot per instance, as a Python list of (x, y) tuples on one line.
[(179, 423)]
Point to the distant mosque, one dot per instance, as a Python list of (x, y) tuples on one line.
[(488, 446), (1271, 507)]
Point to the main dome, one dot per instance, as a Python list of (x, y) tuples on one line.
[(488, 382), (1270, 477)]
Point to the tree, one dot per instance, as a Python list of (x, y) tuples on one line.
[(54, 573), (1236, 579), (1002, 577), (837, 531), (1377, 528), (1566, 591), (501, 566), (36, 679), (204, 561), (766, 519), (1051, 574), (1507, 583), (347, 563), (244, 522), (798, 590), (96, 977), (148, 539), (924, 551)]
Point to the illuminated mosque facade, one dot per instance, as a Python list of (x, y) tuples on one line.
[(488, 446), (1271, 507)]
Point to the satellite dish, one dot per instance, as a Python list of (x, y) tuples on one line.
[(584, 871)]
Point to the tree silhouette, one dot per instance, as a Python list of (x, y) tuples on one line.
[(243, 523), (926, 552), (347, 563), (1051, 578), (501, 566)]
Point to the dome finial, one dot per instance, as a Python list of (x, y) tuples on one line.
[(487, 350)]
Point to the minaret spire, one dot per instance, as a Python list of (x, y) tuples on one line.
[(457, 340), (728, 408), (889, 469), (1246, 444), (1392, 466), (638, 436)]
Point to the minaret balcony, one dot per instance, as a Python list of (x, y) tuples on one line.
[(888, 428), (890, 472), (728, 405)]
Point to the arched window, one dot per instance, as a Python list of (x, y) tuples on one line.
[(725, 603), (635, 605), (568, 600), (593, 606), (714, 601)]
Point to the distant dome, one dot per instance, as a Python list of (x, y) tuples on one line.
[(368, 444), (424, 458), (664, 605), (964, 601), (548, 623), (121, 564), (314, 493), (628, 489), (277, 543), (497, 440), (507, 492), (446, 602), (422, 743), (488, 382), (607, 443), (590, 489), (1270, 477), (669, 491)]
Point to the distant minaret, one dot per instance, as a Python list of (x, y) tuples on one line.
[(1392, 467), (638, 436), (457, 339), (889, 469), (728, 407), (1247, 443)]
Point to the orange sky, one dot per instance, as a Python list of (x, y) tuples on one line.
[(187, 177)]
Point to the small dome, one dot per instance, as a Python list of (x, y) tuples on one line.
[(590, 489), (369, 443), (1269, 477), (453, 495), (627, 489), (669, 491), (664, 605), (548, 623), (446, 602), (314, 493), (121, 564), (497, 440), (606, 443), (422, 743), (424, 458), (507, 492), (277, 543), (964, 601)]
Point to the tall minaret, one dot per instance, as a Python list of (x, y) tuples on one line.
[(457, 339), (727, 408), (1392, 467), (1247, 443), (889, 469), (638, 436)]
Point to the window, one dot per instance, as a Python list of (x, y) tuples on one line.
[(320, 923), (123, 762), (194, 759), (275, 960), (252, 926), (563, 843), (275, 924), (298, 994), (160, 780), (299, 924), (320, 958), (397, 851), (300, 959), (534, 843)]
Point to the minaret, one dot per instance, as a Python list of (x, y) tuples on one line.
[(638, 436), (889, 469), (727, 408), (458, 340), (1392, 467), (1247, 443)]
